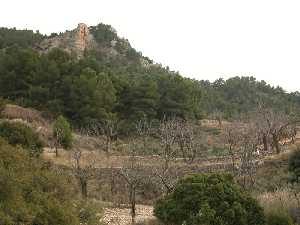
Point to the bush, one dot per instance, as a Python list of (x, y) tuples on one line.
[(279, 218), (31, 193), (282, 201), (209, 199), (89, 213), (294, 165), (63, 132), (20, 134)]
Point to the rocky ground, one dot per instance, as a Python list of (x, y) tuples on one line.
[(121, 216)]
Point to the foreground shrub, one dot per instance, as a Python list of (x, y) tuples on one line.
[(279, 218), (31, 193), (283, 201), (209, 199), (294, 165), (21, 134), (89, 213)]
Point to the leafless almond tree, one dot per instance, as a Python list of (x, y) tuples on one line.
[(83, 169), (274, 126), (167, 154), (144, 129), (107, 129), (134, 176), (249, 142), (232, 140), (167, 133), (186, 140), (242, 141), (217, 115)]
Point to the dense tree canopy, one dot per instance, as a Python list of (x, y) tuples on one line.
[(127, 85), (23, 38)]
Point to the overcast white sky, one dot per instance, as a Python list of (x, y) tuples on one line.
[(202, 39)]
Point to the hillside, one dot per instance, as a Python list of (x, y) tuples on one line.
[(90, 74), (108, 187)]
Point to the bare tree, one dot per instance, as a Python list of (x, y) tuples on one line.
[(185, 138), (83, 169), (167, 154), (259, 118), (249, 142), (243, 140), (275, 126), (134, 175), (55, 140), (272, 127), (232, 138), (144, 129), (109, 129), (167, 133), (94, 134), (167, 178), (218, 115)]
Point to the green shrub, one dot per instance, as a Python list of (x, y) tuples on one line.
[(209, 199), (62, 132), (20, 134), (31, 193), (89, 213), (294, 165), (279, 218)]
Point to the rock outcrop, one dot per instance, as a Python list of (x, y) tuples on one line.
[(74, 42)]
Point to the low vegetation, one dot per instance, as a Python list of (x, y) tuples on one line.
[(33, 193), (209, 199), (17, 133)]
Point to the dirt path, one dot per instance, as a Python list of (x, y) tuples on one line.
[(121, 216)]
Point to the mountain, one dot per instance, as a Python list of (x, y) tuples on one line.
[(102, 39), (91, 74), (76, 41)]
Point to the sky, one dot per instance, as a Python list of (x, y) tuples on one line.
[(202, 39)]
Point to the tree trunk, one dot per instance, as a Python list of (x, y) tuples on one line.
[(132, 202), (232, 160), (108, 144), (145, 143), (83, 184), (219, 121), (56, 151), (181, 145), (265, 141), (276, 143)]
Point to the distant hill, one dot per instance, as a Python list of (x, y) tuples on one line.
[(91, 74)]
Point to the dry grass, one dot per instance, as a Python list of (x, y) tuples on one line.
[(286, 200), (26, 114)]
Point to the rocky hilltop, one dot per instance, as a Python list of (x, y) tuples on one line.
[(75, 41), (102, 40)]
